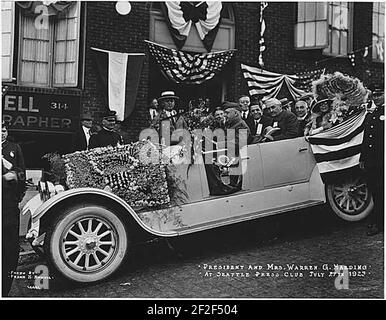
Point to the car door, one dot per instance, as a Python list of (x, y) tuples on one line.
[(286, 162)]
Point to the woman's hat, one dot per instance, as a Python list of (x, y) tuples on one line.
[(316, 106), (168, 95)]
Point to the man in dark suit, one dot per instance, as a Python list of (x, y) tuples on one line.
[(235, 123), (258, 122), (106, 136), (303, 114), (372, 161), (283, 119), (82, 136), (219, 119), (244, 108), (13, 190)]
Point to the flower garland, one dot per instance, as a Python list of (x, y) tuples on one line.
[(119, 169)]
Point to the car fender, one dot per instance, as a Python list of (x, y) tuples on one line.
[(50, 204)]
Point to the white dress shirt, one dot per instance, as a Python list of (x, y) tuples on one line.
[(87, 134)]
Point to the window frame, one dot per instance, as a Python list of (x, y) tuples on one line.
[(350, 31), (373, 49), (295, 33), (226, 23), (12, 44), (51, 53)]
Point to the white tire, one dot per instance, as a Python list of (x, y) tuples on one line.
[(350, 199), (87, 243)]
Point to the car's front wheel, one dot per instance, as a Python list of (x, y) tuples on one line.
[(350, 198), (87, 243)]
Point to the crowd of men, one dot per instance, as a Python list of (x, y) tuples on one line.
[(269, 120)]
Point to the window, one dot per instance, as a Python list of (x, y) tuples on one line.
[(225, 38), (49, 57), (339, 28), (311, 31), (378, 47), (7, 33), (325, 25)]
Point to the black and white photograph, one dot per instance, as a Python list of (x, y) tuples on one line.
[(208, 152)]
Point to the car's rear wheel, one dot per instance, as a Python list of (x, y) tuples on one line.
[(87, 243), (350, 198)]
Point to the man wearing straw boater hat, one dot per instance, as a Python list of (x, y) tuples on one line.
[(168, 102)]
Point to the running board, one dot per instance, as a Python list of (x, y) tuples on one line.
[(246, 217)]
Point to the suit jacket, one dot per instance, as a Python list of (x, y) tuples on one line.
[(237, 126), (372, 151), (105, 138), (288, 124), (79, 141), (302, 125), (264, 120), (12, 191)]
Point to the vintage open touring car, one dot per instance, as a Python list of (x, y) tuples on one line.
[(86, 232)]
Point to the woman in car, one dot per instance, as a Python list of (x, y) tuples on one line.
[(320, 118)]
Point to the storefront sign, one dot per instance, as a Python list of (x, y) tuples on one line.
[(40, 112)]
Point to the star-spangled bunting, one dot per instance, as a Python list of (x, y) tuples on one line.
[(182, 67), (304, 79)]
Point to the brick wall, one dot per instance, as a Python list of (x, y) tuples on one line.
[(108, 30)]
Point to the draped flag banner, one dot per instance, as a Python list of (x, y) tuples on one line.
[(120, 74), (339, 148), (53, 7), (268, 84), (205, 15), (185, 68)]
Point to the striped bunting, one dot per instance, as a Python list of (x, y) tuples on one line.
[(185, 68), (339, 147), (268, 84)]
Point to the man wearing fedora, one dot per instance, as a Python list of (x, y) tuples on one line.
[(107, 136), (82, 137)]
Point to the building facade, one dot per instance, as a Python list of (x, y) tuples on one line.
[(51, 76)]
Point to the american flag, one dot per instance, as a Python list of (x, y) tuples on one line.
[(268, 84), (339, 148), (184, 68), (304, 79)]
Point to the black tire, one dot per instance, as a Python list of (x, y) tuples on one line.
[(350, 198), (86, 243)]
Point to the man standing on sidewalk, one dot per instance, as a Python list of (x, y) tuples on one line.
[(13, 189)]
